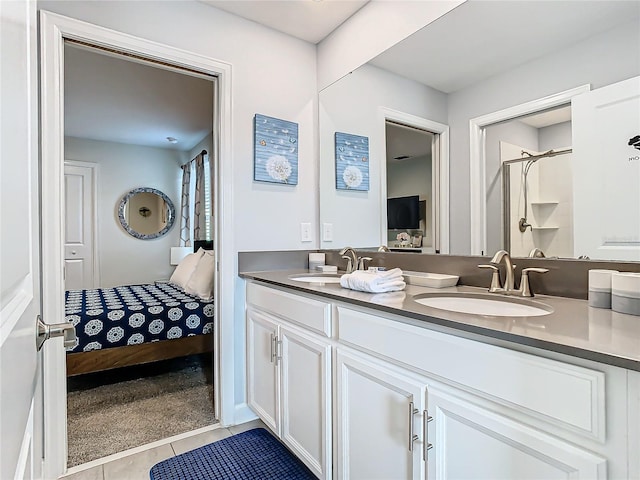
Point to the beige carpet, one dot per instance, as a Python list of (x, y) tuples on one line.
[(115, 411)]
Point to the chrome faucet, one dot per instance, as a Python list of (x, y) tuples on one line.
[(508, 264), (508, 288), (350, 255)]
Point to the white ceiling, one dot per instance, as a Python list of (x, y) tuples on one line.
[(475, 49), (548, 118), (113, 99), (305, 19)]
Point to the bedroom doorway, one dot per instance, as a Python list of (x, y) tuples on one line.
[(54, 30), (144, 352)]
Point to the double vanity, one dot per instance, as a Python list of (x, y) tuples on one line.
[(442, 383)]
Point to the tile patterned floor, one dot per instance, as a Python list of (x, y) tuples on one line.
[(137, 466)]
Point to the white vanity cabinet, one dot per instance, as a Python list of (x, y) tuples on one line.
[(485, 411), (471, 442), (394, 424), (378, 420), (289, 374), (416, 403)]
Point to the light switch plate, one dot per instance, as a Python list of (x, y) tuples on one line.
[(327, 232), (305, 232)]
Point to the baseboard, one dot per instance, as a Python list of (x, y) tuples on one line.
[(243, 414)]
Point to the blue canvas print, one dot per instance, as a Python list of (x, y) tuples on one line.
[(275, 157), (352, 162)]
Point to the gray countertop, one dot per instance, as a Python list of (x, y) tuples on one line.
[(573, 328)]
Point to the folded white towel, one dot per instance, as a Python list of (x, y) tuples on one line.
[(374, 282)]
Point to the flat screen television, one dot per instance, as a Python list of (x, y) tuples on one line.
[(403, 213)]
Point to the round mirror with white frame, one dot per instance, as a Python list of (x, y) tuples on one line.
[(146, 213)]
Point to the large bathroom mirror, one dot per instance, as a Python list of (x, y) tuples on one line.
[(478, 61), (146, 213)]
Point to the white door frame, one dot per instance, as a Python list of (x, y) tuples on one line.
[(477, 157), (95, 169), (441, 171), (54, 29)]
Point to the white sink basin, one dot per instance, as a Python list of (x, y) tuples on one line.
[(316, 278), (481, 304)]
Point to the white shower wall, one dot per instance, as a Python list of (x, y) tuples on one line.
[(550, 196)]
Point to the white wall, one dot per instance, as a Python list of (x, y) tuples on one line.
[(123, 259), (560, 71), (352, 106), (272, 74)]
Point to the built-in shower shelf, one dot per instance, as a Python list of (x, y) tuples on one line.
[(544, 204)]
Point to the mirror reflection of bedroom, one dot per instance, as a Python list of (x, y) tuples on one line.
[(139, 263)]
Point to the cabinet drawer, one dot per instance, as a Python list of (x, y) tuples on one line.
[(312, 314), (553, 391)]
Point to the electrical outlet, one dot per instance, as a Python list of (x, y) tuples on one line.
[(327, 232), (305, 232)]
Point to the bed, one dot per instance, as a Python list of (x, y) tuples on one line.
[(134, 324)]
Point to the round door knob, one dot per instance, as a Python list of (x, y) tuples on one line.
[(73, 252)]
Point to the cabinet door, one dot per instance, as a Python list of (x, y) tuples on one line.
[(262, 373), (375, 424), (470, 442), (306, 398)]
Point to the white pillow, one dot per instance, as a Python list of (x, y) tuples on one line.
[(185, 268), (201, 282)]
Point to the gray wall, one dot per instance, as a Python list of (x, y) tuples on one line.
[(555, 136)]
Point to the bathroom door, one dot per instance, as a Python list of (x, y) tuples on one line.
[(21, 419), (607, 172)]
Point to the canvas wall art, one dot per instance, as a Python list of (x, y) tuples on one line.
[(275, 157), (352, 162)]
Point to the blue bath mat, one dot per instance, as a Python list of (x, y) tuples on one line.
[(251, 455)]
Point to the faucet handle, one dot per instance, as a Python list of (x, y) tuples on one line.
[(525, 288), (361, 260), (496, 285)]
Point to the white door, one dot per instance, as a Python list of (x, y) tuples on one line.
[(262, 371), (79, 230), (378, 415), (605, 123), (306, 399), (21, 433), (472, 443)]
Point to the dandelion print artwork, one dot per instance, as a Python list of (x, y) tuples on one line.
[(275, 150), (352, 162)]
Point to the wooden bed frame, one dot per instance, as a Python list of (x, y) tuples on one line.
[(116, 357)]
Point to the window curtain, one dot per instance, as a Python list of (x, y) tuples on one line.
[(199, 213), (185, 229)]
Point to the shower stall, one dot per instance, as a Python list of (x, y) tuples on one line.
[(538, 203)]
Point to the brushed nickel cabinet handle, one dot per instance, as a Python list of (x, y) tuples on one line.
[(273, 347), (412, 437), (426, 446), (278, 350)]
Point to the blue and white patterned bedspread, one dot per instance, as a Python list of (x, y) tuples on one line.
[(133, 314)]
